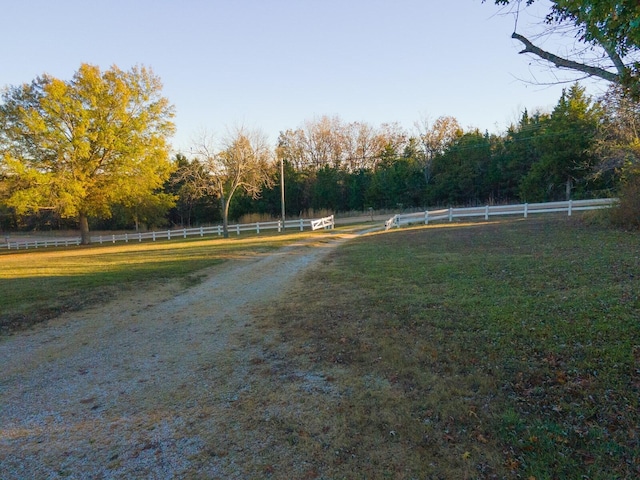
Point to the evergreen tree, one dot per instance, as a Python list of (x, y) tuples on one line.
[(567, 162)]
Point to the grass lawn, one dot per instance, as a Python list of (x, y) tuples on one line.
[(508, 349), (489, 350), (38, 284)]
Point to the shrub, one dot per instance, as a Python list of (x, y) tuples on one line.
[(627, 214)]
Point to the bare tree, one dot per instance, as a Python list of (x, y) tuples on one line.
[(291, 147), (323, 141), (245, 162), (394, 137), (618, 140), (364, 145), (433, 138), (328, 141)]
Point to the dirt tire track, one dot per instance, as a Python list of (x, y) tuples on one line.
[(129, 389)]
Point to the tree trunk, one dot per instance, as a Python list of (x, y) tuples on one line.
[(426, 171), (568, 187), (225, 216), (85, 238)]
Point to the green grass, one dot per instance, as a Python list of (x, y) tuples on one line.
[(491, 350), (38, 284), (502, 350)]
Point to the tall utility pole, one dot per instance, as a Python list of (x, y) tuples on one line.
[(282, 188)]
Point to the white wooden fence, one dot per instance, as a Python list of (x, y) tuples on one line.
[(487, 211), (327, 222)]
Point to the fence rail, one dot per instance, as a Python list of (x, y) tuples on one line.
[(487, 211), (301, 224)]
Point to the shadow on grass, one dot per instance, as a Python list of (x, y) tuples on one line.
[(28, 301)]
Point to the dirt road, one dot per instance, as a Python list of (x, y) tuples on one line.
[(131, 389)]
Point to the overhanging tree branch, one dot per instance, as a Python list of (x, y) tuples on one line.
[(564, 63), (615, 58)]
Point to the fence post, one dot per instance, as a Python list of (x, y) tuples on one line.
[(301, 225), (139, 236), (426, 217), (279, 226), (451, 214), (201, 231), (258, 228), (486, 212), (219, 231), (184, 233), (168, 234), (113, 239), (153, 235), (570, 205), (126, 238), (238, 229), (526, 209)]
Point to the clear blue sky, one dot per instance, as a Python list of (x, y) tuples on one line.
[(272, 64)]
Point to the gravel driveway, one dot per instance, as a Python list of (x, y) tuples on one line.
[(129, 389)]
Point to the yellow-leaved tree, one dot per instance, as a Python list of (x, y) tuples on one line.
[(79, 147)]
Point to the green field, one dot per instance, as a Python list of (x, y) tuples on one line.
[(500, 350), (508, 349), (38, 284)]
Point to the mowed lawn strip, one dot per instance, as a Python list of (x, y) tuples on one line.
[(493, 350), (39, 284)]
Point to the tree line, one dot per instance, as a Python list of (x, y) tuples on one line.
[(94, 149), (583, 148)]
